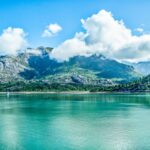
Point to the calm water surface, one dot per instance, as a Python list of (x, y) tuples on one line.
[(75, 122)]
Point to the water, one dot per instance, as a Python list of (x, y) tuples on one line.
[(75, 122)]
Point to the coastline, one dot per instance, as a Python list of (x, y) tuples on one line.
[(52, 92), (70, 92)]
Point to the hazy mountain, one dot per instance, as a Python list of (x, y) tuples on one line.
[(95, 69), (142, 67)]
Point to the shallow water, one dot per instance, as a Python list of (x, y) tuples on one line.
[(75, 122)]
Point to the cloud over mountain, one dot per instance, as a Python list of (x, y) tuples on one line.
[(51, 30), (12, 40), (105, 35)]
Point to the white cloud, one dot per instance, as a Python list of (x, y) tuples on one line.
[(105, 35), (51, 30), (140, 30), (12, 40), (33, 51)]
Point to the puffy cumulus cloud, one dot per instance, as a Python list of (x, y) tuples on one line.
[(12, 40), (51, 30), (105, 35)]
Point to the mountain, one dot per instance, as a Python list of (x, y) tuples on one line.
[(142, 67), (105, 68), (40, 67)]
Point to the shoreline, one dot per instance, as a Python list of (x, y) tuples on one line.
[(52, 92), (71, 92)]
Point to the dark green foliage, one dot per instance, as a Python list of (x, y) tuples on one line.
[(141, 85), (43, 86)]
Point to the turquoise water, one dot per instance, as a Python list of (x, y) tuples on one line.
[(75, 122)]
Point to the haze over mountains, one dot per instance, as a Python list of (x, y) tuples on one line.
[(142, 67)]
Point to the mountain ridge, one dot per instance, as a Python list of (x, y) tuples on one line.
[(91, 70)]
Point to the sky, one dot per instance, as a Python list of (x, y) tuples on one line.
[(52, 22)]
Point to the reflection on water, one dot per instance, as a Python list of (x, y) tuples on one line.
[(68, 122)]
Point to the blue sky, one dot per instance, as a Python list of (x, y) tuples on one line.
[(34, 15)]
